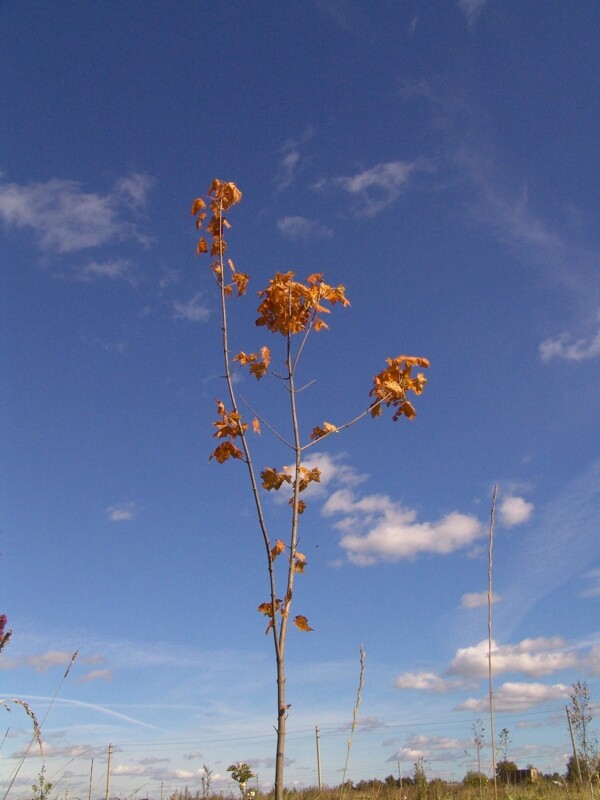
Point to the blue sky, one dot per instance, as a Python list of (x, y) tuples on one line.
[(440, 160)]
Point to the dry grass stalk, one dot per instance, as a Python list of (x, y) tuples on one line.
[(361, 683), (490, 600)]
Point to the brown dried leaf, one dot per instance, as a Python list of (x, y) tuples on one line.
[(302, 623), (277, 549), (197, 206)]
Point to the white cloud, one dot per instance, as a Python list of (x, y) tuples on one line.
[(407, 755), (122, 512), (193, 310), (120, 269), (436, 743), (424, 681), (532, 657), (96, 675), (296, 228), (514, 511), (563, 347), (471, 9), (379, 186), (333, 473), (517, 697), (478, 599), (378, 529), (66, 219), (49, 659)]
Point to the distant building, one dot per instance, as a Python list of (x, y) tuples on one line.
[(529, 775)]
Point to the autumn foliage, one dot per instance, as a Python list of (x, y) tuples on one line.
[(290, 308)]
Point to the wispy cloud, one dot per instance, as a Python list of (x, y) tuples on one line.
[(66, 219), (375, 528), (517, 697), (49, 659), (123, 512), (562, 543), (561, 258), (300, 228), (193, 310), (378, 187), (289, 163), (593, 590), (514, 510), (426, 682), (471, 9), (478, 599), (96, 675), (93, 707), (565, 347), (120, 269)]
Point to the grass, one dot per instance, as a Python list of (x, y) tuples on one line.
[(436, 790)]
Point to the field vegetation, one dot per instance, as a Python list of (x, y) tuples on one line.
[(550, 787)]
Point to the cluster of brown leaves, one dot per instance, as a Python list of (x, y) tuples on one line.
[(282, 606), (270, 609), (318, 433), (271, 479), (229, 426), (299, 558), (391, 385), (224, 195), (258, 362), (290, 307)]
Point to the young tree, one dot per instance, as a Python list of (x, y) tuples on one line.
[(505, 771), (586, 742), (41, 790), (420, 779), (241, 774), (479, 743), (206, 781), (474, 779), (292, 310)]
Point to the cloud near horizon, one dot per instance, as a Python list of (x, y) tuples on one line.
[(531, 657), (66, 219), (517, 697), (425, 681)]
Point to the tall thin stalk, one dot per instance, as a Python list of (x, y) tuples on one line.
[(361, 683), (490, 659)]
